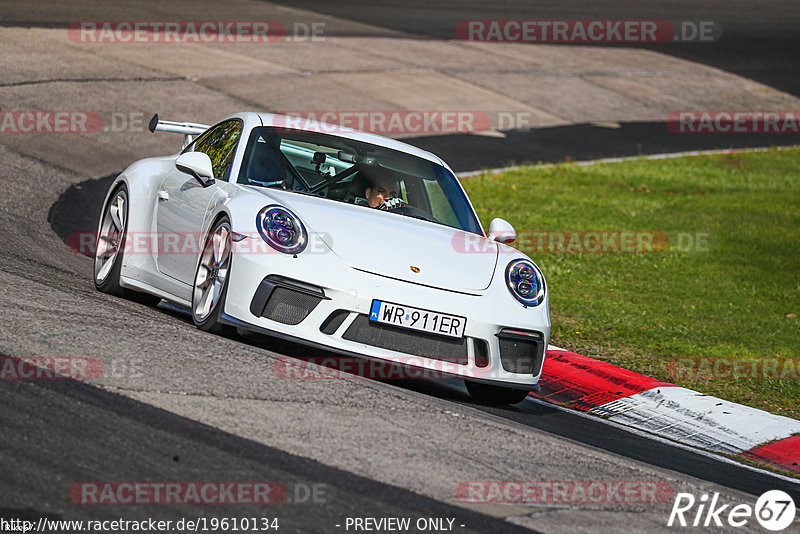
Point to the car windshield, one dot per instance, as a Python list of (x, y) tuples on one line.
[(358, 173)]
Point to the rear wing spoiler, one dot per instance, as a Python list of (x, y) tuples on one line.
[(188, 129)]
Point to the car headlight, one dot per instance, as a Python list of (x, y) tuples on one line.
[(282, 229), (526, 282)]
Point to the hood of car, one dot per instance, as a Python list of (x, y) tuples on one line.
[(396, 246)]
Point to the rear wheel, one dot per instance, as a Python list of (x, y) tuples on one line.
[(110, 249), (211, 279), (495, 394)]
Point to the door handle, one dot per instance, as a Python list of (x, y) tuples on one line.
[(163, 195)]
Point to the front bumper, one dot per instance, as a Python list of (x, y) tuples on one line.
[(323, 302)]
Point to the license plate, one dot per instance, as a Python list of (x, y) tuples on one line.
[(403, 316)]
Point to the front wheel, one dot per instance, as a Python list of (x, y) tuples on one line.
[(110, 249), (211, 279), (495, 394)]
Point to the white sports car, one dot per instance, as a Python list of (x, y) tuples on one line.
[(356, 243)]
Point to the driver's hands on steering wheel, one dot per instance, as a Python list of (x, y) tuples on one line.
[(391, 204)]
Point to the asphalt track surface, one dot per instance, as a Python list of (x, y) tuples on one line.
[(761, 42), (582, 142), (206, 408), (60, 432), (70, 215)]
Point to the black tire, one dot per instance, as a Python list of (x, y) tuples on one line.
[(209, 321), (107, 281), (495, 394)]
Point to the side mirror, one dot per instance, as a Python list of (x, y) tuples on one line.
[(500, 230), (198, 164)]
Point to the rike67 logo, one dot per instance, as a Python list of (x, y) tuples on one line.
[(774, 510)]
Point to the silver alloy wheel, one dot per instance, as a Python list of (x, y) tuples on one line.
[(212, 272), (110, 237)]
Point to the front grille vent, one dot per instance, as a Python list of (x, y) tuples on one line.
[(412, 342), (288, 306), (521, 352)]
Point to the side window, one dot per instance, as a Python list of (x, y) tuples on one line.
[(220, 145)]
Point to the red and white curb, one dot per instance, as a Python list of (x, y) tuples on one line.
[(670, 411)]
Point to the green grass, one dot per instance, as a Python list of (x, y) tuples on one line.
[(738, 298)]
